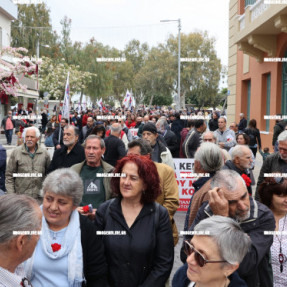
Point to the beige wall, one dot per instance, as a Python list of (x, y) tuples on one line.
[(5, 24), (232, 62)]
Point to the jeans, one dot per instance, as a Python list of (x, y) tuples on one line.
[(8, 134)]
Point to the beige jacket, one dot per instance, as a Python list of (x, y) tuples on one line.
[(169, 197), (31, 172)]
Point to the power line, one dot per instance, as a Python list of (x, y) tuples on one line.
[(96, 27)]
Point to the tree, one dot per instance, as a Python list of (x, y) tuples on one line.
[(33, 25), (199, 79), (66, 42), (155, 79), (53, 78)]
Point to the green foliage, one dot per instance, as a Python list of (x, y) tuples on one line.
[(151, 73), (25, 31)]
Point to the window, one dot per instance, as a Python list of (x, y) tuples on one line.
[(249, 2)]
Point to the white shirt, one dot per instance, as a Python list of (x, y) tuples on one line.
[(8, 279)]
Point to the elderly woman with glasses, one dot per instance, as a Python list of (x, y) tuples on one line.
[(69, 252), (273, 193), (214, 254), (137, 231)]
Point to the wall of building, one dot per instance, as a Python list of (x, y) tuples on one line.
[(257, 72), (232, 62)]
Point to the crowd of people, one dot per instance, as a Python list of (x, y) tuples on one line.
[(100, 211)]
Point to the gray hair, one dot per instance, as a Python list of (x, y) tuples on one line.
[(233, 243), (241, 114), (282, 137), (213, 135), (209, 156), (37, 132), (76, 129), (65, 182), (116, 128), (162, 123), (91, 137), (18, 213), (227, 178), (223, 119), (238, 151)]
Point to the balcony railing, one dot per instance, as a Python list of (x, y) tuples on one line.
[(242, 22), (258, 9)]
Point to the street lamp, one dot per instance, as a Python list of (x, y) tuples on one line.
[(178, 81)]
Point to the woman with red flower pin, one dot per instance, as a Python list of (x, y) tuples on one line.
[(69, 252)]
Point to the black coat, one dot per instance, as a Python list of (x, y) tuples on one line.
[(63, 159), (213, 124), (56, 137), (144, 256), (115, 150), (191, 143), (172, 144), (254, 135), (181, 280), (278, 129), (94, 261), (255, 266), (3, 157), (242, 124)]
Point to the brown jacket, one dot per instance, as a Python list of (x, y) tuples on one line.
[(199, 197), (169, 197)]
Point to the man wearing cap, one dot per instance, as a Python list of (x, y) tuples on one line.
[(160, 153)]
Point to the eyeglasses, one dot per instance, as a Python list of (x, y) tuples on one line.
[(274, 180), (199, 258)]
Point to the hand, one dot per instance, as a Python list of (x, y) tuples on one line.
[(221, 144), (217, 202), (90, 215), (58, 146)]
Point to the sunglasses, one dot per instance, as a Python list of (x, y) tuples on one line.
[(274, 180), (199, 258)]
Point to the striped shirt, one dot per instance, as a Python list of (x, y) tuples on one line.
[(8, 279)]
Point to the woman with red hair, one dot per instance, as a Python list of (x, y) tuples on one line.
[(137, 232)]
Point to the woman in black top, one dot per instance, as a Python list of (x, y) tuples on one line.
[(254, 135), (213, 123), (140, 250)]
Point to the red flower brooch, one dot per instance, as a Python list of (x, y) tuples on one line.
[(88, 208), (246, 179), (56, 247)]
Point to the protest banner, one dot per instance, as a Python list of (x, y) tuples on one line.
[(185, 184), (134, 132)]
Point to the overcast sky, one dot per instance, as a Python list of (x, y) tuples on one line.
[(116, 22)]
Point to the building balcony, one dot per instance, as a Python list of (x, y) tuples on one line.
[(258, 27)]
